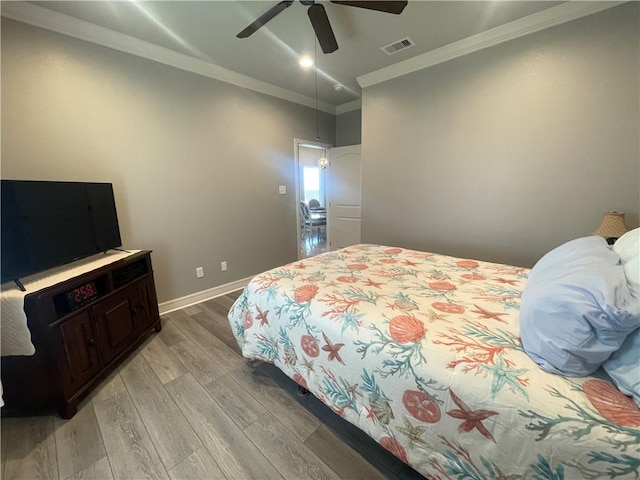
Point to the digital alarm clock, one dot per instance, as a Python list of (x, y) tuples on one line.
[(80, 295)]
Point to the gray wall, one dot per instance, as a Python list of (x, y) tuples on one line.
[(505, 153), (195, 163), (349, 128)]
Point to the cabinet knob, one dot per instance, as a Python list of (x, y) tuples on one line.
[(137, 308), (91, 342)]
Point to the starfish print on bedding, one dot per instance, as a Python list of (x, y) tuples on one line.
[(333, 349), (433, 316), (308, 365), (487, 314), (502, 375), (262, 316), (371, 283), (353, 389), (351, 319), (472, 418), (371, 414), (413, 433)]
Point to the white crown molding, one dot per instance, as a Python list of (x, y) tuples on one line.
[(44, 18), (204, 295), (48, 19), (349, 107), (550, 17)]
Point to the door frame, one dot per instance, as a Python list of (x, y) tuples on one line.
[(297, 143)]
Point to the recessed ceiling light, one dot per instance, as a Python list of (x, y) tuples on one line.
[(306, 62)]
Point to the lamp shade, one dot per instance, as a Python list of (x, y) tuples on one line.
[(612, 225)]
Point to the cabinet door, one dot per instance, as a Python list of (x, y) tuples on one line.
[(145, 303), (116, 325), (79, 350)]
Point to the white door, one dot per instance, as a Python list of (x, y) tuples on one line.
[(343, 186)]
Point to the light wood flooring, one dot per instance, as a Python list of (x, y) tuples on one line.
[(186, 406), (312, 244)]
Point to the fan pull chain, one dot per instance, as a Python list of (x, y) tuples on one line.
[(315, 61)]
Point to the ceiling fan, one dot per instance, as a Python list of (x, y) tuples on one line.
[(319, 19)]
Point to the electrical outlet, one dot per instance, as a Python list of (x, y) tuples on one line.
[(223, 266), (282, 189), (199, 272)]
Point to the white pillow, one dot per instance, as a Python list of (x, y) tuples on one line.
[(632, 272), (628, 249), (628, 245)]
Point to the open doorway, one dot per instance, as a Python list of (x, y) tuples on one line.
[(311, 198)]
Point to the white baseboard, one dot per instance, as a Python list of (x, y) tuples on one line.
[(193, 298)]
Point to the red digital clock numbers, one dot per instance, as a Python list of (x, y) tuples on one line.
[(84, 292), (81, 295)]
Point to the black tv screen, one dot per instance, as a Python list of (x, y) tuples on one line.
[(47, 224)]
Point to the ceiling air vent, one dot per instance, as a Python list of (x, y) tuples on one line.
[(398, 46)]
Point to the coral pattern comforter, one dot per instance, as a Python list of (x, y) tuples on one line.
[(421, 351)]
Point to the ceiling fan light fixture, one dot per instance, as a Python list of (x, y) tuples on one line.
[(319, 20), (306, 62)]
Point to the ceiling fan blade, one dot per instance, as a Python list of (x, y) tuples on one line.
[(392, 6), (322, 27), (264, 18)]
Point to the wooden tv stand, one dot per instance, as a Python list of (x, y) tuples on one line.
[(82, 328)]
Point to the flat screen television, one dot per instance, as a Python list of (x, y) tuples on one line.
[(47, 224)]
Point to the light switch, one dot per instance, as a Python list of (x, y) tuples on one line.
[(282, 189)]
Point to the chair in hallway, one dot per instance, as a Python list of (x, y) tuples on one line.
[(306, 231), (311, 222)]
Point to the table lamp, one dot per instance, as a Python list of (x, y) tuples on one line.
[(611, 227)]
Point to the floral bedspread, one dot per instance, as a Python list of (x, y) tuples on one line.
[(421, 351)]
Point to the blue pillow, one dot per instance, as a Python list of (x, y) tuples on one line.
[(624, 367), (576, 308)]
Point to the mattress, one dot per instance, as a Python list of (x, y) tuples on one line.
[(421, 351)]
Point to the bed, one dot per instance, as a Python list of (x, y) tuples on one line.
[(422, 352)]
